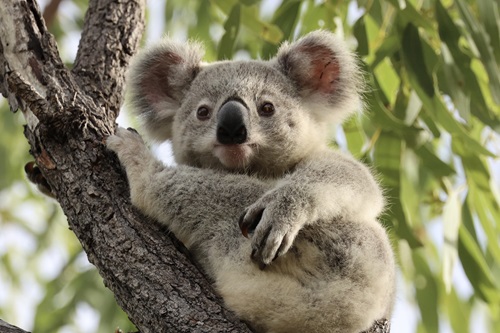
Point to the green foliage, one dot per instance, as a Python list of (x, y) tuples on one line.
[(430, 130)]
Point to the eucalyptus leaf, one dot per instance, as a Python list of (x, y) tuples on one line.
[(232, 27), (414, 57), (251, 20), (359, 31), (426, 293), (476, 268), (481, 40), (452, 220)]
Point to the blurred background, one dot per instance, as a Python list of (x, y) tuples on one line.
[(430, 130)]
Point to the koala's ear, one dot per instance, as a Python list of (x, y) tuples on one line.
[(325, 73), (157, 82)]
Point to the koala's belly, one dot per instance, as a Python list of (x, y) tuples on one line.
[(299, 292), (270, 302), (276, 303)]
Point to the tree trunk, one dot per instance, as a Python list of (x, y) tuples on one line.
[(69, 114)]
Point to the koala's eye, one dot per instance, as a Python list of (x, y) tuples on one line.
[(203, 113), (266, 110)]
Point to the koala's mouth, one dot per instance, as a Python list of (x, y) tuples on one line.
[(234, 156)]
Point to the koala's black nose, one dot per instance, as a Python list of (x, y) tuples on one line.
[(230, 123)]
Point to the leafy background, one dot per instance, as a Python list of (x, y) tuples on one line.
[(430, 130)]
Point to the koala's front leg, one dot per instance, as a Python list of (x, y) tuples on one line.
[(328, 187), (182, 197), (137, 160), (275, 219)]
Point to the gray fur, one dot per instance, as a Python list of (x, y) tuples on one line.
[(318, 259)]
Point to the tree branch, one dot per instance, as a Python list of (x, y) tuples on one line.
[(69, 114), (8, 328), (111, 34)]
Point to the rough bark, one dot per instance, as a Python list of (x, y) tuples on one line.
[(69, 114), (7, 328)]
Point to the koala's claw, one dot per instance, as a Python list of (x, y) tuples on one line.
[(132, 130), (272, 230), (248, 224), (129, 147)]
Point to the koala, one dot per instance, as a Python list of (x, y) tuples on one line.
[(285, 226)]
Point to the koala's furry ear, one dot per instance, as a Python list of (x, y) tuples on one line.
[(157, 81), (325, 72)]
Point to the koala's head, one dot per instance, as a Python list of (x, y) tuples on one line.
[(246, 116)]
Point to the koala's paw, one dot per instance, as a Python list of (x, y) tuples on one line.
[(274, 221), (128, 145)]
